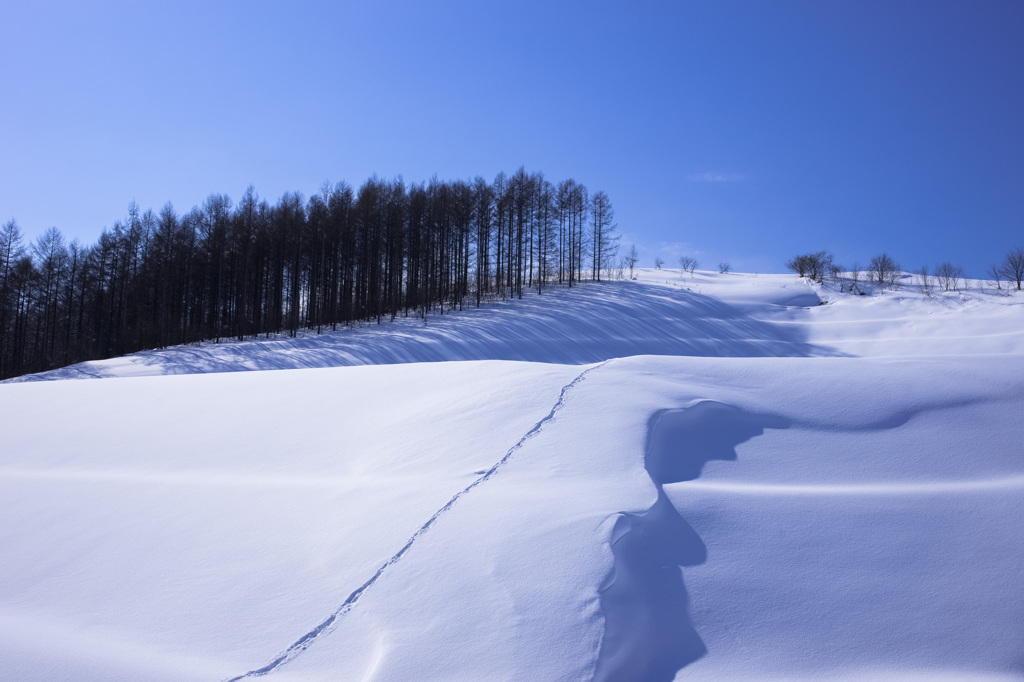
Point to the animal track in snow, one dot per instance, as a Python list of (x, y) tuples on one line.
[(306, 640)]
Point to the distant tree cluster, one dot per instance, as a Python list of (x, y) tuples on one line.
[(883, 270), (342, 256), (688, 264), (948, 276), (811, 265)]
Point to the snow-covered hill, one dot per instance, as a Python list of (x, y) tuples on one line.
[(707, 477)]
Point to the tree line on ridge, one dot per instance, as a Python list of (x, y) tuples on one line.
[(224, 270)]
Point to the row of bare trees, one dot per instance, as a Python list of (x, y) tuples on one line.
[(342, 256), (885, 271)]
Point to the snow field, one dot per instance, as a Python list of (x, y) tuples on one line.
[(751, 486), (207, 533)]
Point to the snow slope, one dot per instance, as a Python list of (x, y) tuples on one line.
[(570, 326), (707, 477)]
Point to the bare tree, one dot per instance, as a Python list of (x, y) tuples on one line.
[(821, 264), (996, 273), (631, 259), (894, 278), (724, 268), (620, 269), (605, 243), (949, 276), (688, 264), (658, 262), (812, 265), (1013, 266), (798, 264), (923, 273), (11, 251), (855, 279), (884, 271)]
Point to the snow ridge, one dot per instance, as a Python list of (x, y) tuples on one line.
[(306, 640)]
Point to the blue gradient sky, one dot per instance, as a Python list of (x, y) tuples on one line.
[(735, 131)]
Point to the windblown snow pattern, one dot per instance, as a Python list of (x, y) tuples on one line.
[(706, 477)]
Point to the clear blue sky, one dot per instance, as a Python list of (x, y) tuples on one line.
[(737, 131)]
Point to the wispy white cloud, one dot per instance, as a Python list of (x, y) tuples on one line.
[(715, 176), (673, 250)]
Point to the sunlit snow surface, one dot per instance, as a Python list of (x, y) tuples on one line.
[(707, 477)]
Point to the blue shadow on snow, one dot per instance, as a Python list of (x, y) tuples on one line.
[(581, 325), (649, 634)]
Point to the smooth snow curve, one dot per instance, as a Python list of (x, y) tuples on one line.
[(308, 639)]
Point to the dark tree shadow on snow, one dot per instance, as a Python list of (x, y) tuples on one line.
[(582, 325), (649, 635)]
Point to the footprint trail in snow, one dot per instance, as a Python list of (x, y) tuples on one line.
[(306, 640)]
